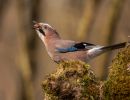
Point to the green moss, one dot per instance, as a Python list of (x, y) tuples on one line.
[(72, 81), (117, 86)]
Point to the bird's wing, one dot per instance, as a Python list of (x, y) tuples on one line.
[(80, 46)]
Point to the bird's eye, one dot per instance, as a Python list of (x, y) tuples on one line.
[(45, 27)]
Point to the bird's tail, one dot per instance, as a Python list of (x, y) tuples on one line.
[(116, 46), (97, 51)]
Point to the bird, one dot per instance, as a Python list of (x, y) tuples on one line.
[(61, 50)]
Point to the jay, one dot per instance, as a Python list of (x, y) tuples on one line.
[(64, 50)]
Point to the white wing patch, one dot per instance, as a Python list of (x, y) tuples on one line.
[(95, 51)]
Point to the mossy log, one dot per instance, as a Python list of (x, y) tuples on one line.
[(73, 80), (117, 86)]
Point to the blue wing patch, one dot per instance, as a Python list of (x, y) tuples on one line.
[(76, 47), (70, 49)]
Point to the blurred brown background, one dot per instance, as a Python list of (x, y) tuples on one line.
[(24, 63)]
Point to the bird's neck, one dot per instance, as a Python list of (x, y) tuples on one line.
[(50, 45), (52, 35), (50, 41)]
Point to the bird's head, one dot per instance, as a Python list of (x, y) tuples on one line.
[(44, 30)]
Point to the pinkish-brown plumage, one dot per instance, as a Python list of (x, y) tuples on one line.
[(62, 50)]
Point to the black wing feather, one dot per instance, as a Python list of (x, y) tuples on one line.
[(83, 45), (77, 47)]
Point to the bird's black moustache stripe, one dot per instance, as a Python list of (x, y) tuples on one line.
[(41, 31)]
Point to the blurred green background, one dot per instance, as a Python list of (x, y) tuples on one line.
[(24, 62)]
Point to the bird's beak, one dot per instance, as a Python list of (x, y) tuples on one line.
[(38, 27)]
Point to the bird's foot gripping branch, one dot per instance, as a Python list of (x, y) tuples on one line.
[(75, 81)]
